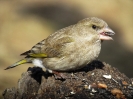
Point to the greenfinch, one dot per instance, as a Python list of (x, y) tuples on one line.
[(70, 48)]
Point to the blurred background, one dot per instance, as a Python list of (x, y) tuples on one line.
[(25, 23)]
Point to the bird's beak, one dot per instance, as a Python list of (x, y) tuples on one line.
[(106, 33)]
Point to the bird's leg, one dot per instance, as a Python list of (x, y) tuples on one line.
[(58, 75)]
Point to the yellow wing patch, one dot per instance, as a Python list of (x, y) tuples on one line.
[(38, 55)]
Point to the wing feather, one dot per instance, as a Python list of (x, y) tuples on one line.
[(48, 49)]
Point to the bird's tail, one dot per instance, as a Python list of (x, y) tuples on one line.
[(23, 61)]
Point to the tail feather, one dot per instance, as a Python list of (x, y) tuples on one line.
[(23, 61)]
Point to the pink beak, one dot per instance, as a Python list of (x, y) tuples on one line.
[(106, 33)]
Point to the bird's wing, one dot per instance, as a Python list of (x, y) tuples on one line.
[(53, 46), (35, 51), (48, 48)]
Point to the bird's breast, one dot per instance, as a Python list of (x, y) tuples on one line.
[(77, 57), (89, 52)]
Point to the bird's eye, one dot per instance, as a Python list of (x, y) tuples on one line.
[(94, 26)]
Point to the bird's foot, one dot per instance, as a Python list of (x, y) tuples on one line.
[(58, 75)]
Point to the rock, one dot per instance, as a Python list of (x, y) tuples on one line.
[(86, 83)]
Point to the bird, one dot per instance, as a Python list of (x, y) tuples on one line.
[(70, 48)]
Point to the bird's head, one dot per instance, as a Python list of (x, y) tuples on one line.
[(100, 27)]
